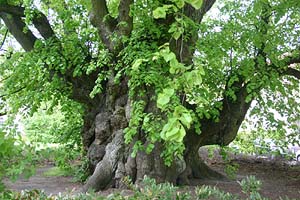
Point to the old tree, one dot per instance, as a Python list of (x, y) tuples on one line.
[(157, 79)]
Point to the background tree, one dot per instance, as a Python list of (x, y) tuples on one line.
[(156, 80)]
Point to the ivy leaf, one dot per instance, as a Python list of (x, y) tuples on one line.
[(176, 30), (169, 56), (171, 133), (137, 63), (186, 119), (171, 123), (179, 3), (197, 78), (164, 97), (160, 12), (201, 70), (195, 3), (181, 134)]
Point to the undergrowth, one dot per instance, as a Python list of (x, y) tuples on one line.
[(149, 190)]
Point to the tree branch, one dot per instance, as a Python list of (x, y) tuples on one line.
[(197, 15), (14, 92), (101, 19), (292, 72), (42, 24), (3, 114), (4, 38), (12, 17), (40, 21), (13, 10), (16, 27), (124, 9)]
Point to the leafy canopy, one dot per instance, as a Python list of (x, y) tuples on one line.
[(243, 47)]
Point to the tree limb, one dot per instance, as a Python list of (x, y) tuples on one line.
[(124, 9), (101, 19), (292, 72), (3, 114), (42, 24), (13, 10), (39, 20), (4, 38), (197, 15), (14, 92), (16, 27)]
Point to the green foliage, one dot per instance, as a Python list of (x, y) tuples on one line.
[(60, 125), (16, 157), (206, 192), (238, 46), (56, 171)]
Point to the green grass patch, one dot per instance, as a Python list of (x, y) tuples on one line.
[(56, 171)]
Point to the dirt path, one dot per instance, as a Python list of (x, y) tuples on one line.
[(278, 180), (50, 185)]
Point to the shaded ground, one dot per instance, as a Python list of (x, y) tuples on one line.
[(278, 179), (49, 184)]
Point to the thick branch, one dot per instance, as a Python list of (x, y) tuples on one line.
[(197, 15), (101, 19), (16, 27), (124, 9), (13, 10), (14, 92), (292, 72), (42, 24), (294, 61), (182, 47)]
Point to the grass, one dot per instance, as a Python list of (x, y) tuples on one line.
[(56, 171)]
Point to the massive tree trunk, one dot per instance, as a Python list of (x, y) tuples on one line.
[(111, 159)]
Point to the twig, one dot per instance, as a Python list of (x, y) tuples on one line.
[(3, 41)]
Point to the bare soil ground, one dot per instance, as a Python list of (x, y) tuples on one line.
[(51, 185), (279, 179)]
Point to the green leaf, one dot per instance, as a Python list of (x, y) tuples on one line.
[(164, 97), (160, 12), (201, 70), (169, 56), (195, 3), (162, 100), (172, 132), (179, 3), (181, 134), (171, 123), (186, 119), (197, 79), (169, 91), (174, 66), (149, 148), (137, 63)]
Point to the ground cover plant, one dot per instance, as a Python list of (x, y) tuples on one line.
[(149, 189)]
